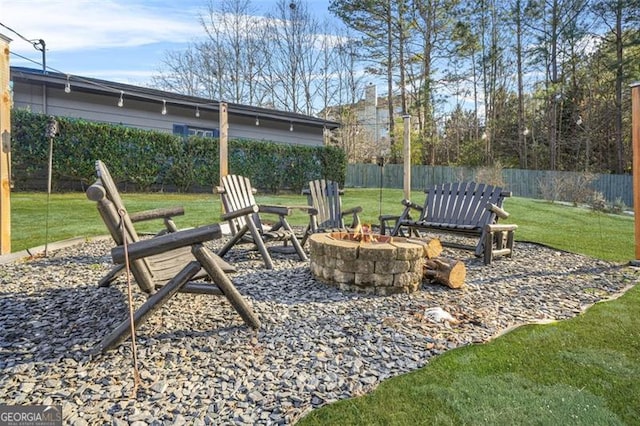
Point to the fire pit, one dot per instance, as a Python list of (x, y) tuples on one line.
[(369, 263)]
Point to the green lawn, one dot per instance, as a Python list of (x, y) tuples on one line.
[(608, 237), (584, 371)]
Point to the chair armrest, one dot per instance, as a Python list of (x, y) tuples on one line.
[(274, 209), (242, 212), (307, 191), (166, 242), (162, 213), (386, 217), (307, 209), (352, 210)]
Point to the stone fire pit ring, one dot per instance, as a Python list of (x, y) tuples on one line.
[(387, 266)]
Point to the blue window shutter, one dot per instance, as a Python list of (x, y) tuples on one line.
[(216, 133), (181, 129)]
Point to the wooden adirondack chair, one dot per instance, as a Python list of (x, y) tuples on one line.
[(468, 209), (243, 214), (325, 197), (164, 264)]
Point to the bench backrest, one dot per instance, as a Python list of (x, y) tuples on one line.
[(462, 204)]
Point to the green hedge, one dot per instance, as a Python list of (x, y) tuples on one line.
[(150, 160)]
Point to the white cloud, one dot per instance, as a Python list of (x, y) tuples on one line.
[(68, 25)]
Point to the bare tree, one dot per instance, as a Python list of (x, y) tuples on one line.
[(294, 62), (227, 63), (181, 73)]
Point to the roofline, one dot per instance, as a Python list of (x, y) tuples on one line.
[(98, 86)]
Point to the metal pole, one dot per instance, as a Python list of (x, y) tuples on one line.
[(407, 156), (380, 161)]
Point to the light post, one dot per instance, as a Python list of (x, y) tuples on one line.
[(407, 156)]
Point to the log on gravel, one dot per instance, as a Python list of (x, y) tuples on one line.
[(450, 272)]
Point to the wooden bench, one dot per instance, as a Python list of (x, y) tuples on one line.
[(468, 209)]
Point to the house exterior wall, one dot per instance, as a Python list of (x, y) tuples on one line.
[(147, 114), (375, 119)]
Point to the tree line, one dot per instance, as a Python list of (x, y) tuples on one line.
[(538, 84)]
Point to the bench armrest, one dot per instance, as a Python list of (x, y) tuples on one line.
[(411, 205), (500, 227), (499, 211), (166, 242)]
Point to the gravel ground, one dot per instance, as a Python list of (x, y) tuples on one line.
[(199, 364)]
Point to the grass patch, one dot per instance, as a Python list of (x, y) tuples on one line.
[(605, 236), (582, 371)]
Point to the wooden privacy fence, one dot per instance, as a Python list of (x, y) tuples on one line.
[(522, 183)]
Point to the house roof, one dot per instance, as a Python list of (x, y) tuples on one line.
[(102, 87)]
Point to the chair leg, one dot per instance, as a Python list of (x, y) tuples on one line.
[(111, 275), (259, 242), (233, 241), (208, 262), (152, 304), (305, 235), (294, 241)]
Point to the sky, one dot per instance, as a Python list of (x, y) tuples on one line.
[(116, 40)]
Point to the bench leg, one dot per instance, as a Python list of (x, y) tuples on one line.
[(498, 241), (510, 239), (488, 247)]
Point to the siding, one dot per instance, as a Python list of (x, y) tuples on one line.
[(146, 115)]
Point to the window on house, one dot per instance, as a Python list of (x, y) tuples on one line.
[(186, 131)]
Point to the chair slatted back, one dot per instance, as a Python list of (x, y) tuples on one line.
[(110, 207), (324, 195), (237, 193)]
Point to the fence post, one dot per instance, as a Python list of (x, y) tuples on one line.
[(635, 141)]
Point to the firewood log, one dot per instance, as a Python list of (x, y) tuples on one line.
[(432, 247), (449, 272)]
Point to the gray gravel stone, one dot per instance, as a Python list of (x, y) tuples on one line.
[(199, 364)]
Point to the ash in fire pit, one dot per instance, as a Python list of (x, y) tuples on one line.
[(366, 262)]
